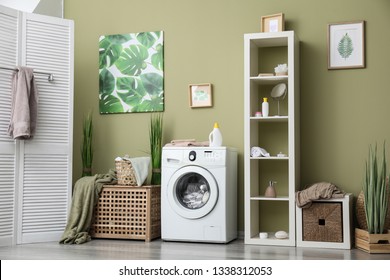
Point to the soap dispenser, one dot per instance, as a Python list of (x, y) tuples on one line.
[(270, 190)]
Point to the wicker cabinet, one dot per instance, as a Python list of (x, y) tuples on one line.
[(277, 133), (128, 212)]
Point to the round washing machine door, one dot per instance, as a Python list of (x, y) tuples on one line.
[(192, 192)]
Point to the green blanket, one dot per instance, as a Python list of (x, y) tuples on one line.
[(85, 196)]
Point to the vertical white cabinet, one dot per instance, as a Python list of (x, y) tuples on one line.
[(277, 134), (36, 174)]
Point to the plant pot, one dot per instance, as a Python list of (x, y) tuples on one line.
[(372, 243)]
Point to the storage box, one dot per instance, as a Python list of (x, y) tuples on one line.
[(372, 243), (326, 224), (323, 221), (128, 213)]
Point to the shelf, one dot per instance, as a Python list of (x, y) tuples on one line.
[(269, 80), (281, 198), (269, 158), (270, 119)]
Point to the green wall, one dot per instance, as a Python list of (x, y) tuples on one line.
[(342, 111)]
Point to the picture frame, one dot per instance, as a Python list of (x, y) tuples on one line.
[(200, 95), (346, 45), (272, 23)]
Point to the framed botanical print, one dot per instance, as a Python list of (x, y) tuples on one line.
[(346, 46)]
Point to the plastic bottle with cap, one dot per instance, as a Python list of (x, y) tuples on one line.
[(265, 107), (215, 137)]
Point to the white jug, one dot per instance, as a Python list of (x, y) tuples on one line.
[(215, 137)]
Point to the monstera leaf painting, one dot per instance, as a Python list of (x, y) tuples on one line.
[(131, 73)]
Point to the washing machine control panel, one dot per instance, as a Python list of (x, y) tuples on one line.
[(206, 156)]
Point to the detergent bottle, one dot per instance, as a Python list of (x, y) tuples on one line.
[(215, 137)]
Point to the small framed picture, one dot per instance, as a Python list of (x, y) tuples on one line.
[(346, 45), (200, 95), (272, 23)]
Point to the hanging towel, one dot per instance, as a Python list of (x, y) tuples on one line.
[(24, 104)]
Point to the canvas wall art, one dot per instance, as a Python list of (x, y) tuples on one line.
[(131, 73)]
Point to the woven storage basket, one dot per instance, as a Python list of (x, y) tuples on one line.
[(125, 173), (126, 212), (361, 213), (323, 221)]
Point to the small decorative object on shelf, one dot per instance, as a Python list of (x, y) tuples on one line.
[(263, 235), (281, 234), (258, 114), (265, 107), (281, 70), (270, 190), (272, 23)]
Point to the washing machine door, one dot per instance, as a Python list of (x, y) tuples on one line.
[(192, 192)]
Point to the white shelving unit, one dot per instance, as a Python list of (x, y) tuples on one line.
[(263, 52)]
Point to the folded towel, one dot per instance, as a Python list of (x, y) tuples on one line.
[(187, 143), (320, 190), (141, 168), (24, 104)]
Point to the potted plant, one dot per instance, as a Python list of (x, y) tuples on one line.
[(155, 138), (86, 146), (375, 195)]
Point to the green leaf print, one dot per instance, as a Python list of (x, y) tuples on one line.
[(130, 90), (345, 46), (132, 60), (158, 57), (106, 82), (148, 38), (110, 50)]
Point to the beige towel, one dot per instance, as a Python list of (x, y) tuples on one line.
[(24, 104), (187, 143), (322, 190)]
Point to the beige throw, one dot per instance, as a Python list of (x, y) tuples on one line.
[(322, 190), (24, 105)]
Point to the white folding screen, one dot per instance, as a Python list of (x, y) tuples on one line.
[(8, 58), (42, 184)]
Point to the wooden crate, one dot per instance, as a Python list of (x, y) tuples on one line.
[(372, 243), (126, 212)]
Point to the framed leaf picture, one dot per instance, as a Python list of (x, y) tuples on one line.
[(131, 73), (346, 45)]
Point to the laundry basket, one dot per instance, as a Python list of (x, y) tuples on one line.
[(125, 173)]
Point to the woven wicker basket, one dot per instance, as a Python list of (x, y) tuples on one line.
[(125, 173), (361, 213)]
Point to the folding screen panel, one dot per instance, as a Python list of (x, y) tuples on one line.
[(42, 165)]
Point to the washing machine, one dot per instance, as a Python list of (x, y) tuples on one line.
[(199, 194)]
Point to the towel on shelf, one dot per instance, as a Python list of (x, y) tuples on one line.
[(141, 168), (85, 197), (315, 191), (24, 106), (187, 143)]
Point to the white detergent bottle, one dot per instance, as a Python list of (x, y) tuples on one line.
[(265, 107), (215, 137)]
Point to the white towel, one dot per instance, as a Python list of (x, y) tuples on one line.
[(141, 168), (24, 106)]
